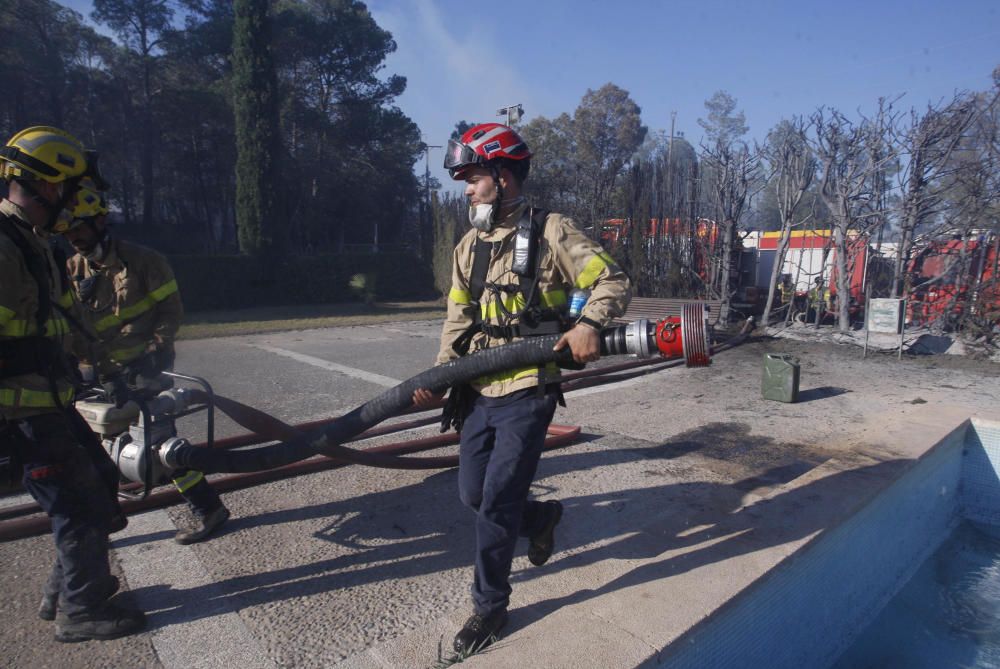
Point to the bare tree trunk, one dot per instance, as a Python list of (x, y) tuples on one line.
[(794, 170), (930, 142), (734, 172)]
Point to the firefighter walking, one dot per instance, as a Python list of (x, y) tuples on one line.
[(64, 467), (512, 277), (131, 299)]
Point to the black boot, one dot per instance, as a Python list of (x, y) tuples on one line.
[(479, 632), (204, 526), (107, 622), (543, 543)]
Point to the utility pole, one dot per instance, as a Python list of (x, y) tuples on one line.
[(512, 114), (670, 167), (425, 203)]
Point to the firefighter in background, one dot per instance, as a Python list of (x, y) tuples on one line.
[(131, 299), (819, 298), (64, 466), (787, 289), (502, 290)]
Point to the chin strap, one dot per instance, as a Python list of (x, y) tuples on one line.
[(498, 203)]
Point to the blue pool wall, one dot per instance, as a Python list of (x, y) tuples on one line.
[(979, 495), (807, 610)]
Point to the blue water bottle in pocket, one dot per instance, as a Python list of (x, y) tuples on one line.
[(577, 298)]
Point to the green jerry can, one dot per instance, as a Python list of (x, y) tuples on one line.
[(781, 377)]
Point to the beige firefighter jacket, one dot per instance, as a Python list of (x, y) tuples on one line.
[(134, 305), (568, 259), (31, 394)]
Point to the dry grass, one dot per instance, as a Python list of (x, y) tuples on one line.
[(207, 324)]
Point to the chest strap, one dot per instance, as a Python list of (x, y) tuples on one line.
[(534, 321)]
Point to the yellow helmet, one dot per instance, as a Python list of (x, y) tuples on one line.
[(89, 205), (43, 152)]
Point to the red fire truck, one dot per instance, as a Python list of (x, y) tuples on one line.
[(951, 277)]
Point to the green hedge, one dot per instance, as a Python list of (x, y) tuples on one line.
[(236, 282)]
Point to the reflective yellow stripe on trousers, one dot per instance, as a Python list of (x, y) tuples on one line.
[(188, 481)]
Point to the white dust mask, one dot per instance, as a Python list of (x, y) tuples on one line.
[(481, 216)]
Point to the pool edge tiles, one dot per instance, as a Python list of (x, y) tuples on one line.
[(883, 517)]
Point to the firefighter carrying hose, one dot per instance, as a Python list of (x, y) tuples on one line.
[(131, 300), (64, 466), (512, 277)]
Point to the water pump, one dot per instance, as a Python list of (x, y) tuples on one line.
[(134, 433)]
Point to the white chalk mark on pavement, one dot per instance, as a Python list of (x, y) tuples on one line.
[(370, 377)]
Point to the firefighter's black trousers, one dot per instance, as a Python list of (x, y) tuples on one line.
[(501, 444), (72, 478)]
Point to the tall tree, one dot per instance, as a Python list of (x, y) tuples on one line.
[(851, 158), (337, 118), (257, 135), (793, 168), (140, 25), (724, 124), (461, 128), (734, 175), (929, 143), (554, 177), (607, 130)]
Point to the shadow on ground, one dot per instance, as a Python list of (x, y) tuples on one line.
[(422, 529)]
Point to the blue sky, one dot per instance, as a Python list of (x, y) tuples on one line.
[(465, 60)]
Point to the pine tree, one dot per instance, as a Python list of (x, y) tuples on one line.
[(255, 108)]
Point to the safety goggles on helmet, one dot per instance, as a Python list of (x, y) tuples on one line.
[(460, 157), (482, 145)]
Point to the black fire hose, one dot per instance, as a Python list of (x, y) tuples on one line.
[(686, 336), (327, 441)]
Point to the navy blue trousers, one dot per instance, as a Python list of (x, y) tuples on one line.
[(501, 443), (71, 477)]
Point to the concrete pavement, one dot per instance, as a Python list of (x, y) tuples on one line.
[(685, 489)]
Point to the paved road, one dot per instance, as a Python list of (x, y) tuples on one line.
[(370, 568)]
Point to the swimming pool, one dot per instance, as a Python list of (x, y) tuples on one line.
[(808, 609), (945, 616)]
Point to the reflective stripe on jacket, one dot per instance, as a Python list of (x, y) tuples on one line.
[(29, 394), (133, 303), (569, 258)]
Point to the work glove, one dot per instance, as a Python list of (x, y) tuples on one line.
[(116, 390), (150, 364), (457, 407), (160, 359)]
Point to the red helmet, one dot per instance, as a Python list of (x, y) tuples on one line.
[(481, 145)]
